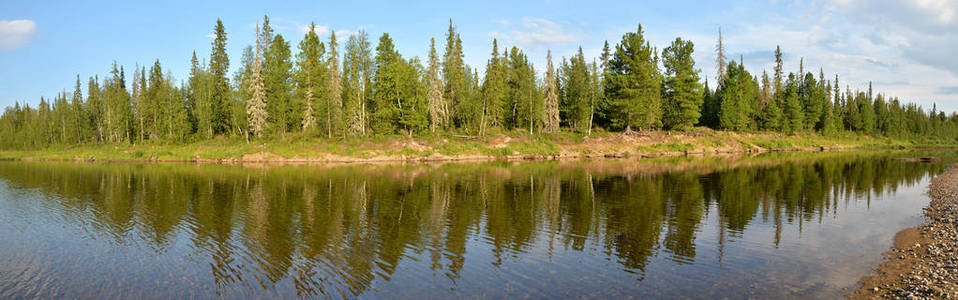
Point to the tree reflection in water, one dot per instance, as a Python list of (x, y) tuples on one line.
[(335, 231)]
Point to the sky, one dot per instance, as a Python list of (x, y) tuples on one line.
[(905, 48)]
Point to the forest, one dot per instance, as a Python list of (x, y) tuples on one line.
[(333, 90)]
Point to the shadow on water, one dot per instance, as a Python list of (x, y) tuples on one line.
[(730, 226)]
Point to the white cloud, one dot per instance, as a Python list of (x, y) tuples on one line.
[(212, 36), (925, 31), (325, 30), (904, 48), (320, 30), (16, 33), (535, 33)]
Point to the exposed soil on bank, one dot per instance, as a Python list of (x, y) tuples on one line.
[(452, 149), (923, 263)]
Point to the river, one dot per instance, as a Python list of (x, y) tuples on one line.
[(799, 225)]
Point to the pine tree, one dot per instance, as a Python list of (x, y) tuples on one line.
[(551, 123), (682, 89), (633, 84)]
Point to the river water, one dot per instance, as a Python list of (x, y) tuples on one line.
[(804, 225)]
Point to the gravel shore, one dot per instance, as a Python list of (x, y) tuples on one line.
[(923, 263)]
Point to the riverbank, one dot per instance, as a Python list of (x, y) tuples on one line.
[(923, 262), (509, 146)]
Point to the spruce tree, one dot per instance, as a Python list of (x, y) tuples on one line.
[(812, 101), (95, 107), (493, 91), (794, 116), (387, 100), (438, 111), (199, 92), (779, 89), (256, 113), (334, 112), (79, 114), (353, 76), (525, 104), (596, 95), (309, 78), (453, 72), (221, 91), (576, 83), (736, 99), (278, 82)]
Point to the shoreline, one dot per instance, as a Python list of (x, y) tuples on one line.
[(269, 158), (450, 149), (922, 263)]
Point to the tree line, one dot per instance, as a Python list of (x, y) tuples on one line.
[(333, 90)]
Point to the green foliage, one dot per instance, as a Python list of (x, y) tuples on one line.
[(221, 92), (278, 80), (794, 117), (683, 100), (278, 95), (633, 83), (493, 91), (737, 99), (575, 81), (525, 103)]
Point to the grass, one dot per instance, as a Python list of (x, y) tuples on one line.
[(499, 144)]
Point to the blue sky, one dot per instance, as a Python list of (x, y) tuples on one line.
[(904, 47)]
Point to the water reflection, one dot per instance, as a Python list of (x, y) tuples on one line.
[(351, 230)]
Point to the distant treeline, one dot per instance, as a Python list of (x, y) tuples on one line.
[(333, 91)]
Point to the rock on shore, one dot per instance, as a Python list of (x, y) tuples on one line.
[(923, 264)]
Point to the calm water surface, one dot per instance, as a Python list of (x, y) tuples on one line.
[(769, 226)]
